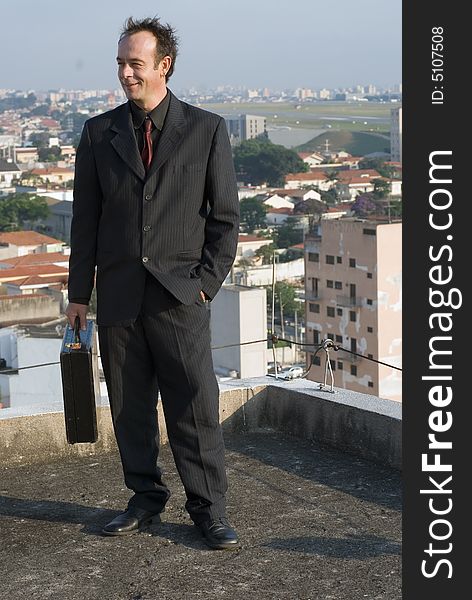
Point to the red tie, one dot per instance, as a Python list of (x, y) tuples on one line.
[(146, 154)]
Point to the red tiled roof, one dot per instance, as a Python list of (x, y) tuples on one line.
[(348, 159), (26, 149), (357, 181), (38, 258), (39, 270), (311, 176), (285, 210), (294, 192), (52, 123), (332, 209), (51, 171), (26, 238), (37, 279), (251, 238), (363, 174)]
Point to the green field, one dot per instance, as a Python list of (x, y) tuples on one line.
[(356, 127), (355, 142), (351, 116)]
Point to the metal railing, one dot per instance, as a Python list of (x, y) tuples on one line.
[(349, 301), (313, 295)]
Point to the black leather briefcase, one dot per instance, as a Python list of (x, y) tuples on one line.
[(80, 382)]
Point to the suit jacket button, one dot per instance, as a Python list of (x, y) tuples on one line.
[(145, 259), (148, 196), (146, 227)]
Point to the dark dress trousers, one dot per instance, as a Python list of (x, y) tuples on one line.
[(156, 239)]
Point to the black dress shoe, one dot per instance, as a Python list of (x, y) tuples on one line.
[(219, 534), (130, 521)]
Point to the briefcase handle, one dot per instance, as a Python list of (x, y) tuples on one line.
[(77, 339)]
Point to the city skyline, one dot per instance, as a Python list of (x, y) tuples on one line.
[(255, 45), (228, 90)]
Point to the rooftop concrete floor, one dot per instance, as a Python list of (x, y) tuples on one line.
[(314, 523)]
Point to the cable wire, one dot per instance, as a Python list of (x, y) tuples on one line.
[(273, 337)]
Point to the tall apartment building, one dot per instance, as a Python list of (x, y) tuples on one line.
[(245, 127), (396, 134), (353, 291)]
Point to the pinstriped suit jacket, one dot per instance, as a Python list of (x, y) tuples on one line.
[(180, 221)]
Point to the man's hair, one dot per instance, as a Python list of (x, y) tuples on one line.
[(166, 40)]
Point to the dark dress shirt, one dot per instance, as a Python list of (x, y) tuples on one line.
[(157, 116)]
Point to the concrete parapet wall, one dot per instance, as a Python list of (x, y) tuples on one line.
[(356, 423), (370, 434), (21, 307), (42, 438)]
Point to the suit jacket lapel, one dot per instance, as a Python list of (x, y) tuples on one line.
[(124, 142), (171, 135)]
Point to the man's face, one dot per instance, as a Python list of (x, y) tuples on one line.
[(141, 79)]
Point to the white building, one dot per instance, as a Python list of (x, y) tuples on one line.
[(324, 94), (277, 201), (35, 387), (291, 271), (19, 243), (278, 216), (248, 246), (303, 93), (318, 179), (239, 314), (313, 159), (287, 198), (249, 191), (8, 171)]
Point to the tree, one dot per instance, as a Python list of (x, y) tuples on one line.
[(17, 103), (266, 253), (331, 196), (287, 234), (261, 161), (42, 110), (381, 188), (395, 209), (312, 208), (17, 209), (284, 292), (40, 139), (252, 213), (332, 174), (379, 165), (27, 178), (74, 122), (49, 154), (367, 204), (289, 255), (245, 262)]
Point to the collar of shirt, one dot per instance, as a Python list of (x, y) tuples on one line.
[(157, 114)]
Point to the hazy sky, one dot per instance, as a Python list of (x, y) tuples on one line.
[(257, 43)]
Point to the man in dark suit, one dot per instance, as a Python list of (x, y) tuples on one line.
[(156, 210)]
